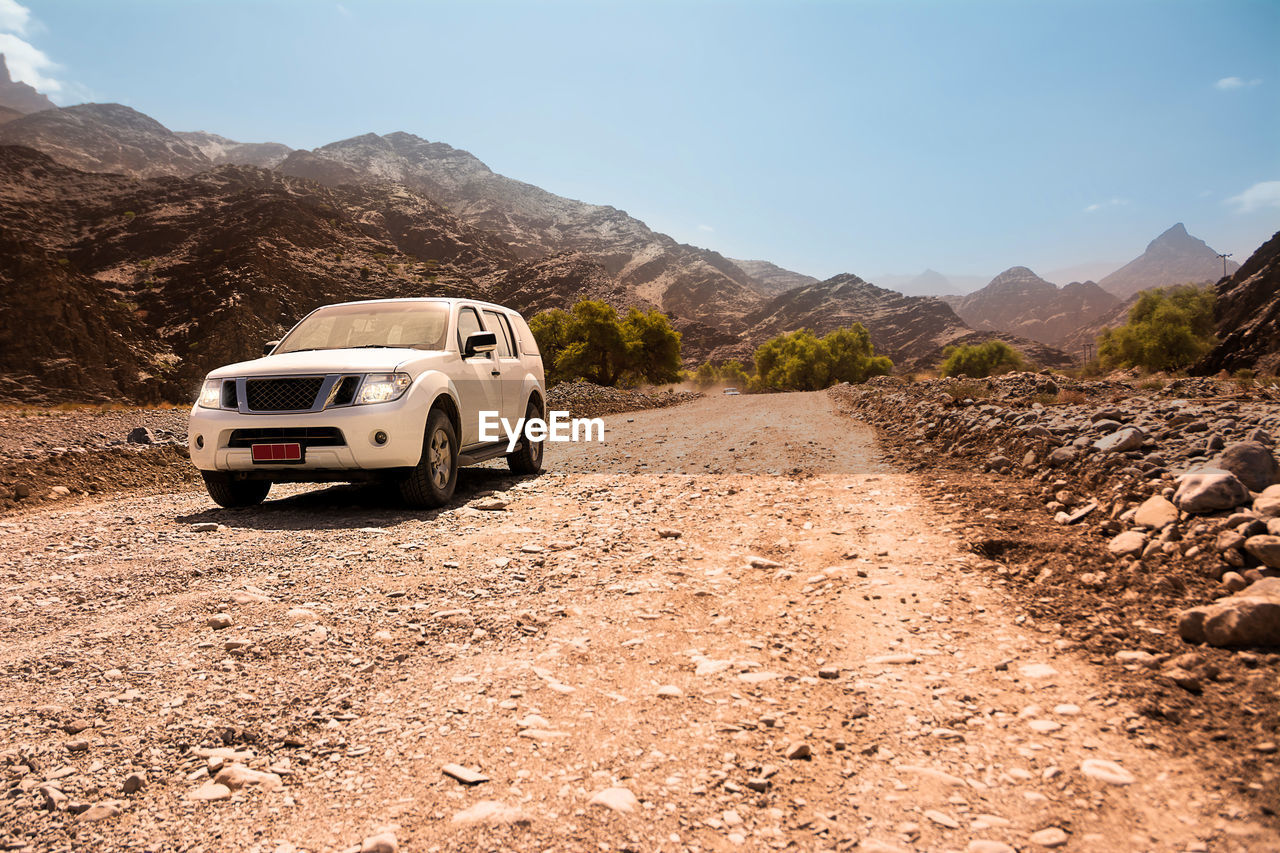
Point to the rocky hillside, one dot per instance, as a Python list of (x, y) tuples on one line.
[(19, 97), (911, 330), (221, 151), (684, 280), (1175, 257), (1248, 315), (106, 138), (7, 115), (770, 279), (139, 286), (1021, 303)]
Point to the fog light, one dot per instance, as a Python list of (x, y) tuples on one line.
[(200, 442), (379, 437)]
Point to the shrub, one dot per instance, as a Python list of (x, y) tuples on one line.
[(590, 342), (730, 373), (801, 361), (1168, 329), (989, 358)]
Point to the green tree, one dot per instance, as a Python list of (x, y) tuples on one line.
[(706, 375), (977, 360), (590, 342), (1168, 329), (801, 361), (733, 373)]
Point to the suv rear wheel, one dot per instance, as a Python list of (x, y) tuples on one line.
[(527, 458), (229, 492), (430, 483)]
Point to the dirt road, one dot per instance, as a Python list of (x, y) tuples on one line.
[(730, 626)]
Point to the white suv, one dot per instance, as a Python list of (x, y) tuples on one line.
[(388, 389)]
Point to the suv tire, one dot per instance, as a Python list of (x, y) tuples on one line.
[(431, 482), (527, 458), (229, 492)]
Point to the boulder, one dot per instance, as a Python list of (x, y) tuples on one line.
[(1252, 464), (1209, 490), (141, 435), (1251, 617), (1265, 549), (1267, 504), (1156, 512), (1121, 441), (1127, 544), (1064, 456)]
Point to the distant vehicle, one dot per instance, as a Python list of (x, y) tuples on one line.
[(387, 390), (732, 392)]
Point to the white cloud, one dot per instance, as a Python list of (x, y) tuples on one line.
[(29, 64), (14, 18), (1111, 202), (1259, 196), (707, 228), (1229, 83)]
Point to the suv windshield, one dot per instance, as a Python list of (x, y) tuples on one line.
[(416, 325)]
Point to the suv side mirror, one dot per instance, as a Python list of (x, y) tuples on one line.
[(479, 343), (269, 346)]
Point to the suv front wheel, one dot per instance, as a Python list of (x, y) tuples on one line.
[(430, 483), (229, 492)]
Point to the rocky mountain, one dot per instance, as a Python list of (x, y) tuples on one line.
[(8, 115), (911, 330), (1248, 315), (770, 279), (1175, 257), (137, 287), (221, 151), (683, 280), (106, 138), (20, 97), (1020, 302)]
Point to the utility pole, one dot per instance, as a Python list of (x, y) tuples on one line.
[(1088, 353), (1224, 256)]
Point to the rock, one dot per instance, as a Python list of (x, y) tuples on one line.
[(141, 435), (210, 792), (1156, 512), (762, 563), (98, 812), (1127, 544), (59, 492), (301, 614), (669, 533), (465, 775), (798, 751), (1252, 464), (236, 776), (616, 799), (382, 842), (1037, 670), (133, 782), (490, 504), (1265, 549), (1228, 540), (1106, 771), (986, 846), (1121, 441), (491, 812), (1267, 504), (1233, 581), (77, 745), (670, 691), (218, 621), (1062, 456), (942, 819), (205, 527), (1209, 490), (1250, 617), (1050, 837)]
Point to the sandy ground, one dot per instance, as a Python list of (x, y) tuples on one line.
[(601, 653)]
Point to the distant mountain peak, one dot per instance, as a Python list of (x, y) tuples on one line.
[(19, 96), (1175, 257)]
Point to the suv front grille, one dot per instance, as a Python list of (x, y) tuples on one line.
[(282, 395), (306, 436)]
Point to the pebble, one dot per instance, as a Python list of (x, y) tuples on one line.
[(798, 750), (942, 819), (133, 782), (98, 812), (1106, 771), (218, 621), (210, 792), (986, 846), (465, 775), (205, 527), (670, 691), (382, 842), (1050, 837), (490, 811)]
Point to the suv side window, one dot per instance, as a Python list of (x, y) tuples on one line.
[(468, 322), (502, 331)]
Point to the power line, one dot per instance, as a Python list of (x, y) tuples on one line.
[(1224, 256)]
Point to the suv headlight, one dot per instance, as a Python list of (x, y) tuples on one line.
[(211, 394), (383, 387)]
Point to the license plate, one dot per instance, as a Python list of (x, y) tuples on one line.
[(277, 452)]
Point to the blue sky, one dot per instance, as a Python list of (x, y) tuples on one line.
[(864, 137)]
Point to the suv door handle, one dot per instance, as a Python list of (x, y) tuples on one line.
[(495, 372)]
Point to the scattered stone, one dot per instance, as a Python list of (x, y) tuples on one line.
[(237, 776), (1252, 464), (670, 691), (218, 621), (490, 812), (942, 819), (465, 775), (1250, 617), (798, 751), (1265, 549), (987, 846), (210, 792), (669, 533), (615, 799), (1121, 441), (762, 563), (133, 783), (98, 812), (1127, 544), (1106, 771), (205, 527), (1209, 490), (382, 842), (1051, 837), (1156, 512), (141, 435)]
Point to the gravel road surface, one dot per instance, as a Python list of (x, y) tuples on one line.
[(733, 625)]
